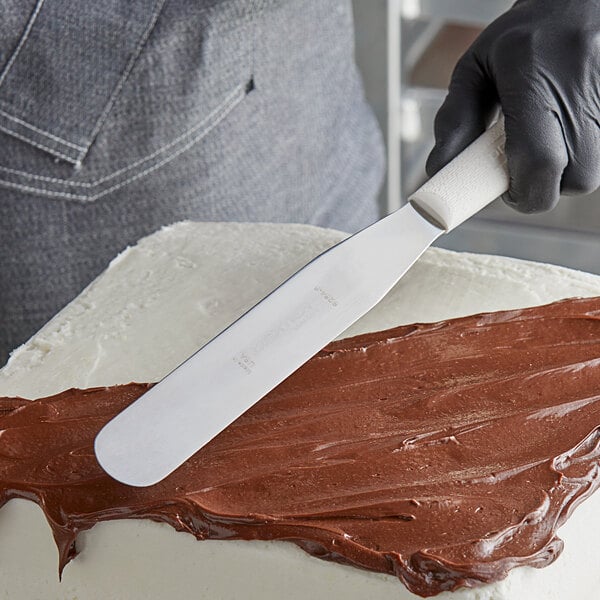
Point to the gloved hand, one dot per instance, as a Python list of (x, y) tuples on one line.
[(540, 62)]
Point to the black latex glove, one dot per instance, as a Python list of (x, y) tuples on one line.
[(540, 62)]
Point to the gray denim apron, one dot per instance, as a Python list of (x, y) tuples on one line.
[(118, 117)]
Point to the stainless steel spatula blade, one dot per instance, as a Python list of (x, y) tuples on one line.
[(184, 411)]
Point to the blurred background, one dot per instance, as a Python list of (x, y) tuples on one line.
[(406, 50)]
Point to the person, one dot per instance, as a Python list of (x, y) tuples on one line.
[(116, 119)]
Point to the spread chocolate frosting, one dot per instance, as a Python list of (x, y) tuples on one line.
[(445, 453)]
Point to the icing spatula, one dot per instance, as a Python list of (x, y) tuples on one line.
[(183, 412)]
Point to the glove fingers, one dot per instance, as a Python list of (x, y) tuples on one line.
[(537, 157), (464, 114), (582, 174)]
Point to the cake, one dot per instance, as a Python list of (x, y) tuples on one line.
[(156, 304)]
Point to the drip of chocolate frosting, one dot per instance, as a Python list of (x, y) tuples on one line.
[(443, 453)]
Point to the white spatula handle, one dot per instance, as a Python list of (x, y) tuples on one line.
[(471, 181)]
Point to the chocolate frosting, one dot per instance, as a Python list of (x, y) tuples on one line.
[(444, 453)]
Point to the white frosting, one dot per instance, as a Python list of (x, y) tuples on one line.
[(155, 305)]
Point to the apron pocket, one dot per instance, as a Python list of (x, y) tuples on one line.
[(92, 102), (62, 78)]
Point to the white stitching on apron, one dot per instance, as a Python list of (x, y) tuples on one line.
[(214, 118)]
